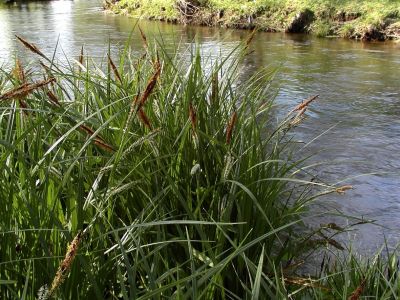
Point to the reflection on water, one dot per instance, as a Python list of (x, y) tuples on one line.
[(358, 86), (5, 37)]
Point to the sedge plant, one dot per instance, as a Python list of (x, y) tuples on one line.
[(149, 176)]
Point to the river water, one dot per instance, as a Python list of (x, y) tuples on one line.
[(358, 84)]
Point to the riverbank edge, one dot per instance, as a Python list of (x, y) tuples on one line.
[(332, 23)]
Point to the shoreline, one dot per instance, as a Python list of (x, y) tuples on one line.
[(316, 19)]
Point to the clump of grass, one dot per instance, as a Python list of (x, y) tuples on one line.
[(347, 30), (161, 10), (354, 277), (321, 28), (180, 176)]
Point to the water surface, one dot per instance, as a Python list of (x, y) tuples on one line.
[(358, 85)]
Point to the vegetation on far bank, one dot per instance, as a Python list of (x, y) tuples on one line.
[(365, 19), (157, 176)]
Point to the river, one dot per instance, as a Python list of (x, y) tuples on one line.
[(358, 84)]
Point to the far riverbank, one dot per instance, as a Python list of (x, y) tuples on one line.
[(375, 20)]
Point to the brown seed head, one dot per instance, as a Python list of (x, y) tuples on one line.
[(65, 264), (30, 46), (144, 38), (251, 37), (150, 86), (114, 68), (25, 89), (305, 103), (100, 143), (53, 98), (214, 87), (333, 226), (81, 56), (356, 295), (343, 189), (143, 117), (230, 127)]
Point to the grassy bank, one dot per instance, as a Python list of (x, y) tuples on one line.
[(365, 19), (158, 176)]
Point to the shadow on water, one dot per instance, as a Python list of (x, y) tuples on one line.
[(357, 83)]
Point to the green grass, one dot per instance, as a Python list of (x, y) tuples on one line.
[(163, 9), (374, 278), (173, 176)]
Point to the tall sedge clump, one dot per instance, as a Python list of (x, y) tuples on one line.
[(178, 166)]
